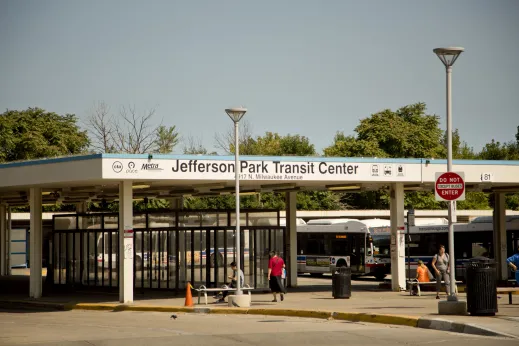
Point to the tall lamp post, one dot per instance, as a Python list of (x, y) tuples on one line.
[(449, 56), (236, 114)]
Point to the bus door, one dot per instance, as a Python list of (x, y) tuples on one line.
[(356, 253)]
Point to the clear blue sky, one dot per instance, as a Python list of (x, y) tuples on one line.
[(300, 67)]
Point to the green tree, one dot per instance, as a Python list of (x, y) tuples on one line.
[(405, 133), (497, 151), (273, 144), (505, 151), (349, 146), (35, 133), (166, 139)]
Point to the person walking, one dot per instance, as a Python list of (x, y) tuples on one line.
[(513, 262), (440, 263), (276, 265)]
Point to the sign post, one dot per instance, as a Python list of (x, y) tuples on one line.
[(450, 187)]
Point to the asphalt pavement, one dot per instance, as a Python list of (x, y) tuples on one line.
[(368, 303), (98, 328)]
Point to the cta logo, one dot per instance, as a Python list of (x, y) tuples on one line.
[(151, 167), (117, 166)]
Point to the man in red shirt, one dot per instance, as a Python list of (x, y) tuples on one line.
[(276, 265)]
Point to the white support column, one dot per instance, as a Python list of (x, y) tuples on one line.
[(125, 242), (291, 224), (36, 245), (3, 240), (500, 236), (9, 233), (397, 237)]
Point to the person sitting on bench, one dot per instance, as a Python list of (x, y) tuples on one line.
[(513, 262), (233, 283), (422, 275)]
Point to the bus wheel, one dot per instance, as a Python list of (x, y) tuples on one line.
[(380, 276), (214, 259)]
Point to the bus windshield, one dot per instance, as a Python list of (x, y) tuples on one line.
[(381, 245)]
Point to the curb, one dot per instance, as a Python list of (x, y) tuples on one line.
[(457, 327), (401, 320)]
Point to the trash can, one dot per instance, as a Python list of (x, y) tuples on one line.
[(481, 280), (341, 283)]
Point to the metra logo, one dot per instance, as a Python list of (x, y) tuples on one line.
[(151, 167)]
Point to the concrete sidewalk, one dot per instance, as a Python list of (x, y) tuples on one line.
[(365, 305)]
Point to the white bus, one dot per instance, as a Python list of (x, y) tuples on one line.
[(472, 239), (379, 261), (324, 245)]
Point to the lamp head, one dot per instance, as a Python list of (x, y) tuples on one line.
[(236, 113), (448, 55)]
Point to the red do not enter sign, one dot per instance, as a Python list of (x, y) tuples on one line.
[(450, 186)]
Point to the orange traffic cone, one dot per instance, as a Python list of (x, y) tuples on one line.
[(189, 297)]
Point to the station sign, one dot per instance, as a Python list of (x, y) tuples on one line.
[(325, 169)]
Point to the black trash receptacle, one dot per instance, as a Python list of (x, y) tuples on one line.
[(341, 283), (481, 280)]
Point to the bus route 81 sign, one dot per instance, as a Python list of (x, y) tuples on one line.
[(450, 186)]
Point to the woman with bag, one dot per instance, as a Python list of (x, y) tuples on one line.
[(276, 266), (440, 263)]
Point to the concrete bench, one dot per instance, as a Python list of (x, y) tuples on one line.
[(203, 290), (508, 290), (417, 283)]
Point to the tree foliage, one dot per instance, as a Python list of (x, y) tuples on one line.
[(35, 133), (166, 139), (405, 133), (497, 151)]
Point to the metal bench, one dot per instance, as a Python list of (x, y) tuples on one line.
[(508, 290), (203, 290), (417, 283)]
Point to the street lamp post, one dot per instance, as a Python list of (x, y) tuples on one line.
[(448, 56), (236, 114)]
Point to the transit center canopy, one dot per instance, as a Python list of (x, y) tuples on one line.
[(91, 177)]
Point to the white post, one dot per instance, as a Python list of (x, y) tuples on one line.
[(237, 180), (452, 205), (291, 224), (397, 237), (125, 242), (3, 240), (35, 246), (500, 236)]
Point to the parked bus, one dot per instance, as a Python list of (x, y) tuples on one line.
[(324, 245), (367, 256), (380, 259), (472, 239)]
